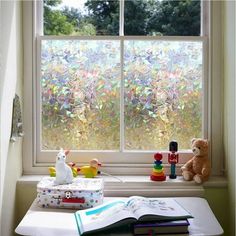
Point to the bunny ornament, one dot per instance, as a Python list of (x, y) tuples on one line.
[(64, 173)]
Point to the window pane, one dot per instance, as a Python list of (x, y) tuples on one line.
[(104, 15), (80, 83), (162, 17), (81, 17), (163, 93)]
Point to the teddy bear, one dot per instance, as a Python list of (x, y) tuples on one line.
[(198, 168)]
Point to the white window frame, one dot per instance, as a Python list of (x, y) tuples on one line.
[(123, 163)]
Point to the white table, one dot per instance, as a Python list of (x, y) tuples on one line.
[(58, 222)]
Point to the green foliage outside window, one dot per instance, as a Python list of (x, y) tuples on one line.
[(142, 17)]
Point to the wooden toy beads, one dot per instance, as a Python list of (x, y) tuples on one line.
[(157, 171)]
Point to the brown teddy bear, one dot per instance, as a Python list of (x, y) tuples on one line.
[(198, 167)]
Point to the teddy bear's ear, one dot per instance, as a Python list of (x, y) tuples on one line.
[(206, 141), (193, 140)]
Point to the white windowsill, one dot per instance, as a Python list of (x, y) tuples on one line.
[(142, 185)]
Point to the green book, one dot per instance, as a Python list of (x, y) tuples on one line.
[(127, 211)]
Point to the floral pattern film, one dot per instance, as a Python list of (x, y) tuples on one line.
[(80, 94), (163, 93)]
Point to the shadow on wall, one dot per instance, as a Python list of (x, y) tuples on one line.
[(7, 18), (7, 10)]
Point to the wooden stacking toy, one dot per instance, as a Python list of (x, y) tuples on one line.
[(157, 171)]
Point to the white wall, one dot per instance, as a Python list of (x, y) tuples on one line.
[(230, 102), (10, 83)]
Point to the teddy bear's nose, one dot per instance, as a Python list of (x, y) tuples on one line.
[(194, 149)]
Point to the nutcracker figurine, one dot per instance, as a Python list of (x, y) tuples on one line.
[(173, 158)]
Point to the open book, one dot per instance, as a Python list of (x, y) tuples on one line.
[(129, 210)]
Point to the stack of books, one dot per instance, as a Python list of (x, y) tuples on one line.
[(161, 227), (147, 216)]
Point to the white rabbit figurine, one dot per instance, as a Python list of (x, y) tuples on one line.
[(64, 173)]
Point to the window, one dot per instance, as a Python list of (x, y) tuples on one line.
[(81, 91), (118, 80)]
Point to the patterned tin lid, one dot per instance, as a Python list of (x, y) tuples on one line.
[(78, 184)]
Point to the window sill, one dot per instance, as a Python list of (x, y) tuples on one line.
[(141, 185)]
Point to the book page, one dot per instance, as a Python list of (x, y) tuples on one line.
[(102, 216), (163, 208)]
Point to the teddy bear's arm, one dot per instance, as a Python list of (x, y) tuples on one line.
[(206, 169), (188, 165)]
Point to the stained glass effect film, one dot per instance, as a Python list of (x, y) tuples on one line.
[(163, 93), (80, 94)]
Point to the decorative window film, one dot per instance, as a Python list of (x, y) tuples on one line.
[(80, 93), (80, 85), (163, 93)]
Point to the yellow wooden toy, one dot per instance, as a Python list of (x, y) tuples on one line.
[(91, 170), (52, 170)]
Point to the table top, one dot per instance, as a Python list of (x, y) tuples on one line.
[(61, 222)]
